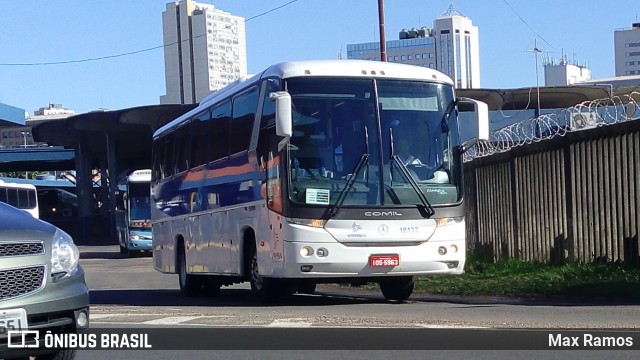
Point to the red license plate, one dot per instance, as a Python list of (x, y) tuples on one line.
[(384, 260)]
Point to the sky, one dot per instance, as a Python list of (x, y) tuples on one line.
[(73, 31)]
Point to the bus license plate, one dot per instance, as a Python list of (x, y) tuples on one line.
[(384, 260), (12, 319)]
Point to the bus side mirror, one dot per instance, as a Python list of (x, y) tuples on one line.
[(480, 112), (284, 121)]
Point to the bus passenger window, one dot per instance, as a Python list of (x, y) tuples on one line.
[(244, 113), (219, 131)]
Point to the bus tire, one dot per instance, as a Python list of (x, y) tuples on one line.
[(397, 288), (263, 288), (190, 285), (306, 287), (124, 251), (211, 285)]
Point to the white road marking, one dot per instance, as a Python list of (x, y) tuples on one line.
[(171, 320), (93, 316), (435, 326), (293, 322)]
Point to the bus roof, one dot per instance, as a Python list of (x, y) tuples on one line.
[(140, 176), (39, 183), (15, 185), (318, 68)]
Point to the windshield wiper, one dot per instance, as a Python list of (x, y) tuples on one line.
[(364, 159), (350, 181), (405, 173)]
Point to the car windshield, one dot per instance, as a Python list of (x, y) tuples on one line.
[(337, 121)]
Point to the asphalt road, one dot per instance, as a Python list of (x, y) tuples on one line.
[(130, 291), (127, 293)]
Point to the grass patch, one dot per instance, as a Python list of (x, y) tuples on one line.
[(531, 279)]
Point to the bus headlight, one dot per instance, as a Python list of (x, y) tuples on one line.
[(64, 253), (449, 221)]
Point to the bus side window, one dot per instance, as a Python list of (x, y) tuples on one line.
[(182, 148), (157, 157), (244, 114), (199, 138), (218, 134), (167, 149), (268, 106)]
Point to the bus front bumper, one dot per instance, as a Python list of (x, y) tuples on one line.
[(427, 258)]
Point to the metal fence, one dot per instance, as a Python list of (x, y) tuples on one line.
[(570, 198)]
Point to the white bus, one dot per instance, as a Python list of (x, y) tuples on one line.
[(21, 196), (293, 177), (133, 221)]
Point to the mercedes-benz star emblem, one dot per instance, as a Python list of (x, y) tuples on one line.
[(383, 229)]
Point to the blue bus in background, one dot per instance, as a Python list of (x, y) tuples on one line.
[(133, 219)]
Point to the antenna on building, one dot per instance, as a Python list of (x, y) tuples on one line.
[(452, 11), (340, 53), (536, 50)]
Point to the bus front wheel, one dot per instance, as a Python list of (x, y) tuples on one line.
[(264, 288), (397, 288)]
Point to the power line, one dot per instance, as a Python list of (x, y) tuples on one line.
[(135, 51), (272, 10), (527, 24)]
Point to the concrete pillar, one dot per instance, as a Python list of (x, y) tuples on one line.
[(104, 186), (112, 168), (85, 193)]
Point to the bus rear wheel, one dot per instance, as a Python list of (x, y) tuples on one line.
[(397, 288), (190, 285)]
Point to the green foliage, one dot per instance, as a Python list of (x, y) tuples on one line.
[(532, 279), (22, 174)]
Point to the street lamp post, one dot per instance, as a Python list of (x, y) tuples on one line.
[(383, 41), (24, 135)]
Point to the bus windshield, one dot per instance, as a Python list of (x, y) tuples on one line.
[(408, 131), (139, 203)]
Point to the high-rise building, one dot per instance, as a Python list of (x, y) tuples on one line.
[(204, 50), (457, 48), (451, 47), (627, 50)]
